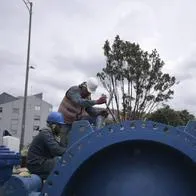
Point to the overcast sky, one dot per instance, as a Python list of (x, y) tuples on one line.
[(68, 36)]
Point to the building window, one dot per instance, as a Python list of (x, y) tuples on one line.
[(1, 109), (15, 110), (36, 123), (13, 131), (37, 118), (14, 125), (50, 109), (35, 128), (14, 121), (37, 108)]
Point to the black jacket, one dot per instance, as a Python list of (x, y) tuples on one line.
[(44, 146)]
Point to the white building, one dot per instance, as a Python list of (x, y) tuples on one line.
[(11, 109)]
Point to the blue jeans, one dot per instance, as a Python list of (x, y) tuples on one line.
[(64, 134), (96, 121)]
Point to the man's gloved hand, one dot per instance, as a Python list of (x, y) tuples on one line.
[(104, 113), (101, 100)]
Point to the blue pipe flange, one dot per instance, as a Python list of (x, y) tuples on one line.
[(134, 158), (8, 159)]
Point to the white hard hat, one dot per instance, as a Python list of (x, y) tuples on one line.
[(92, 84)]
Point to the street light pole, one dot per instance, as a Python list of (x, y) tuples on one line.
[(29, 6)]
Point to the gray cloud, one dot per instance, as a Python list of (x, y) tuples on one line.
[(91, 65), (184, 68), (68, 36), (9, 58)]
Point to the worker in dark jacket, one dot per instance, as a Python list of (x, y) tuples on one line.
[(45, 149), (77, 102)]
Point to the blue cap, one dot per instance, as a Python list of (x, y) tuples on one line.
[(56, 118)]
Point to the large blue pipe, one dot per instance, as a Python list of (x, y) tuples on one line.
[(7, 160), (22, 186), (132, 158)]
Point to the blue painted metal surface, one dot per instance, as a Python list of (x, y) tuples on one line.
[(23, 186), (131, 158), (134, 158), (191, 128), (7, 160)]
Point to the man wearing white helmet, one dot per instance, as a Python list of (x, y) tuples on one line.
[(92, 84), (76, 102)]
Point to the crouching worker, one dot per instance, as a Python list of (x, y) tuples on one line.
[(45, 149)]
